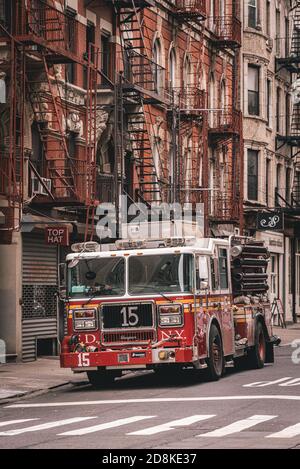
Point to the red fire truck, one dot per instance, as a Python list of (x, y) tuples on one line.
[(166, 304)]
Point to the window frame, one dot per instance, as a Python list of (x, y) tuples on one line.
[(254, 9), (256, 93), (252, 151)]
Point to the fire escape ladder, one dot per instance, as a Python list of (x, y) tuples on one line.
[(140, 92), (295, 43), (89, 165), (139, 68), (143, 148), (47, 104), (16, 143)]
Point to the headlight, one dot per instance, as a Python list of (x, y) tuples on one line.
[(84, 319), (85, 313), (170, 315), (84, 324)]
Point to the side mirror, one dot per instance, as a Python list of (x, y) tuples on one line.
[(203, 284), (62, 289)]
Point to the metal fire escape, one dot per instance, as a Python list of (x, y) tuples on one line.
[(291, 62), (12, 145), (225, 125), (186, 116), (41, 39), (139, 79)]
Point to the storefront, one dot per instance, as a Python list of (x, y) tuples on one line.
[(39, 297), (280, 269)]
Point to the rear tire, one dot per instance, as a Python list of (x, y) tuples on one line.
[(100, 379), (215, 361), (257, 355)]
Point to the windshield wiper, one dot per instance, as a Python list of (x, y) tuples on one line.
[(95, 294), (157, 291)]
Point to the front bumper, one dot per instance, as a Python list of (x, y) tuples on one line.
[(125, 359)]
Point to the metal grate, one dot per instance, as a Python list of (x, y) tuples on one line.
[(128, 337), (39, 301)]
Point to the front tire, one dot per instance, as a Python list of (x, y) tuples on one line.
[(257, 355), (215, 361)]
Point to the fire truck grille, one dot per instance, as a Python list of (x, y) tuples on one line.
[(128, 337), (130, 315)]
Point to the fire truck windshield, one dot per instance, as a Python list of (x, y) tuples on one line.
[(167, 273), (97, 277)]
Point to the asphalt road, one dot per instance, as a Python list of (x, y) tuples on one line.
[(245, 409)]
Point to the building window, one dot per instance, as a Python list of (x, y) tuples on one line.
[(278, 99), (105, 56), (252, 13), (268, 102), (252, 174), (172, 69), (278, 189), (287, 37), (71, 143), (6, 13), (268, 180), (274, 275), (157, 62), (70, 33), (287, 114), (288, 185), (277, 32), (253, 90), (90, 38), (268, 18)]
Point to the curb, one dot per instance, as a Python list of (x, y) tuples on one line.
[(33, 393)]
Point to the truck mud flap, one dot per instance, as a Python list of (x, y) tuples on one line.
[(269, 352)]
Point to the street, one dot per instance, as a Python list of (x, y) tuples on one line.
[(247, 408)]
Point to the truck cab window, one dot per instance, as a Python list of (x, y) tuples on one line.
[(223, 269), (214, 274)]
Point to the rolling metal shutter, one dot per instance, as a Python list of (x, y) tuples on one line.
[(39, 277), (39, 261)]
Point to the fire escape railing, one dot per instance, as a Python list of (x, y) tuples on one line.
[(227, 31), (225, 120), (191, 9), (42, 23)]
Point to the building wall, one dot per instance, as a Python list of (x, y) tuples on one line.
[(261, 45), (10, 295)]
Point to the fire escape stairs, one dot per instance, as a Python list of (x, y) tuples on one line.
[(140, 90), (45, 99)]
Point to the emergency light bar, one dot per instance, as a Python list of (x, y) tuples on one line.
[(89, 246), (155, 243)]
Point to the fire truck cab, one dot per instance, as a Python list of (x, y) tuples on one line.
[(166, 304)]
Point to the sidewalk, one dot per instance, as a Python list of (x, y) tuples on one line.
[(292, 332), (19, 379)]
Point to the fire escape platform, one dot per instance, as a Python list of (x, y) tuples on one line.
[(292, 140), (151, 96), (291, 64), (128, 3), (55, 54)]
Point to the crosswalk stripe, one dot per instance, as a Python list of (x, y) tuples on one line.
[(259, 397), (238, 426), (171, 425), (288, 432), (11, 422), (104, 426), (45, 426)]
